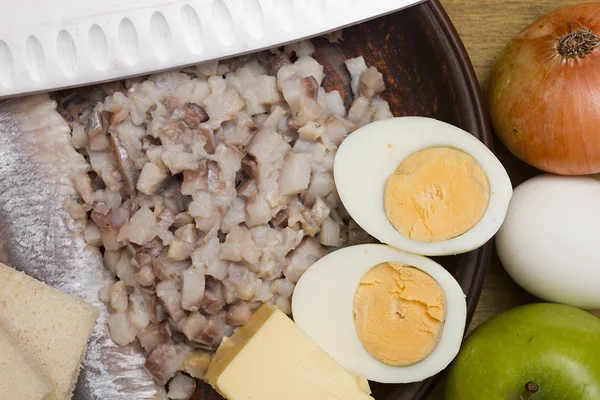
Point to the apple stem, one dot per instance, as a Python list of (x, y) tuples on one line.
[(531, 388)]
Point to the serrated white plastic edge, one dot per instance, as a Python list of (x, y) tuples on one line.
[(50, 44)]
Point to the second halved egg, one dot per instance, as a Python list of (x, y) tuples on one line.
[(422, 185), (382, 313)]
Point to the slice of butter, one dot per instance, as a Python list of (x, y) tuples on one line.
[(51, 327), (270, 358), (19, 379)]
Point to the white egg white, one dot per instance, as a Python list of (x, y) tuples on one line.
[(323, 301), (371, 154)]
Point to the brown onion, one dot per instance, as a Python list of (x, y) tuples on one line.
[(544, 92)]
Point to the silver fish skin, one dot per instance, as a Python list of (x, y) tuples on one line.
[(38, 237)]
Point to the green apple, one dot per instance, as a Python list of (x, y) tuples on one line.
[(538, 352)]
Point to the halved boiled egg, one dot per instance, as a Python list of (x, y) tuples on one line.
[(422, 185), (382, 313)]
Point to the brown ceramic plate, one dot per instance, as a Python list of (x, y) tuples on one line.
[(428, 73)]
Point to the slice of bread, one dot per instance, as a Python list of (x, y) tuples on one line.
[(19, 379), (51, 327)]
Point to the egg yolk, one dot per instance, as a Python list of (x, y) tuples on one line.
[(436, 194), (399, 312)]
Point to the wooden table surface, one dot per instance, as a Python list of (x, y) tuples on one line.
[(485, 27)]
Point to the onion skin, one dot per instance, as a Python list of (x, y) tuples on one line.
[(544, 93)]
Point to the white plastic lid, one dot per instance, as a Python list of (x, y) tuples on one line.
[(51, 44)]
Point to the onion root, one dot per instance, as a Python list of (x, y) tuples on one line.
[(577, 43)]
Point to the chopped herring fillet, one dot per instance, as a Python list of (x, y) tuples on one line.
[(335, 103), (193, 325), (301, 48), (154, 336), (140, 229), (381, 109), (295, 174), (268, 147), (150, 178), (181, 387), (138, 312), (214, 300), (236, 215), (336, 129), (92, 235), (306, 254), (192, 291), (145, 276), (96, 129), (243, 282), (162, 363), (211, 192), (121, 329), (356, 66), (360, 112), (239, 313), (330, 233), (239, 246), (321, 184), (170, 297), (118, 297), (370, 83), (104, 165), (311, 131), (219, 106), (283, 287)]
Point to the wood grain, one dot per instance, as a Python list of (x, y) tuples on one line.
[(485, 27)]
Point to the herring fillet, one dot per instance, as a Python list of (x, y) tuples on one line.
[(38, 237)]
